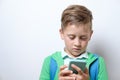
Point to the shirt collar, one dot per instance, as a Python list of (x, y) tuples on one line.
[(65, 55)]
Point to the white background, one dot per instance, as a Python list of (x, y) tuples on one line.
[(29, 31)]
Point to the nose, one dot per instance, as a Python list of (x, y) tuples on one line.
[(77, 42)]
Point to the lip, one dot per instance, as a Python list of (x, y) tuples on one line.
[(76, 49)]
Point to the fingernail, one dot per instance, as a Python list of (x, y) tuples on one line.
[(71, 71)]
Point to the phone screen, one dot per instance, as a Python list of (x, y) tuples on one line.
[(80, 64)]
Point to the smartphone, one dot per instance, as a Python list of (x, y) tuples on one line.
[(80, 64)]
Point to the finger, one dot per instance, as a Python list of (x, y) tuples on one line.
[(63, 67), (73, 75), (77, 69), (67, 78), (65, 72), (86, 71)]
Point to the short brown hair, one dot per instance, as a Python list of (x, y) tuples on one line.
[(76, 14)]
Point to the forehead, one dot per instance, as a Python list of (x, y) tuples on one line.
[(77, 29)]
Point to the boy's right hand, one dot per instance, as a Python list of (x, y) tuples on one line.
[(65, 74)]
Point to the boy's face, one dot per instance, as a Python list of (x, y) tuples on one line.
[(76, 38)]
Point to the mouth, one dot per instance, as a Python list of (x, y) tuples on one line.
[(76, 49)]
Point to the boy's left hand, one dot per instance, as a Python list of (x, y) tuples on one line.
[(81, 75)]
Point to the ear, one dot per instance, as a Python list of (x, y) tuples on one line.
[(91, 34), (61, 33)]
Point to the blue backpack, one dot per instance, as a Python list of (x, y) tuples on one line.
[(93, 68)]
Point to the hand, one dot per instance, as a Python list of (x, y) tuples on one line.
[(81, 75), (65, 74)]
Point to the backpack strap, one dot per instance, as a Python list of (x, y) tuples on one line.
[(53, 68), (94, 67)]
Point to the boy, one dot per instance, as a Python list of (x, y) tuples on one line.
[(76, 31)]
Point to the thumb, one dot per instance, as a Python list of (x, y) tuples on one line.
[(86, 71)]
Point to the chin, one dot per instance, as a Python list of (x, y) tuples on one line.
[(76, 54)]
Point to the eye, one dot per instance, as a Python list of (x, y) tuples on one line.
[(83, 38), (71, 37)]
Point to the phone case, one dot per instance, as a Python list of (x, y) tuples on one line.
[(80, 64)]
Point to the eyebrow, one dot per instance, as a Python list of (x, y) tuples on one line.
[(70, 34), (74, 34)]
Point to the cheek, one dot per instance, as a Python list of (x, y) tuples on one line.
[(68, 42), (84, 43)]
